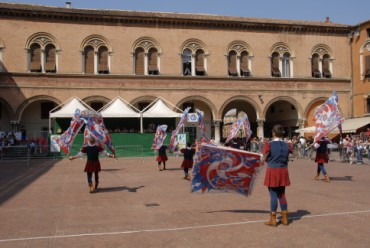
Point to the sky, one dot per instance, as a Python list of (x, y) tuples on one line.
[(339, 11)]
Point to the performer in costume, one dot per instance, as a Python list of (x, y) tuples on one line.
[(322, 156), (276, 153), (92, 164), (162, 157), (188, 161)]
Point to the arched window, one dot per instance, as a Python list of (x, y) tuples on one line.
[(103, 67), (199, 63), (139, 61), (316, 73), (194, 58), (146, 56), (153, 62), (50, 60), (321, 61), (96, 53), (244, 64), (35, 56), (326, 66), (275, 71), (89, 60), (232, 59), (42, 53), (281, 60), (285, 65), (186, 63), (239, 57)]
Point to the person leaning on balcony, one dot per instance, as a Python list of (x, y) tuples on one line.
[(276, 153)]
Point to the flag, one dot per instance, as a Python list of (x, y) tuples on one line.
[(327, 117), (66, 139), (94, 126), (176, 131), (160, 136), (201, 125), (225, 169), (235, 128)]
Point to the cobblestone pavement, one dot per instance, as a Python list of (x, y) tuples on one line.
[(47, 204)]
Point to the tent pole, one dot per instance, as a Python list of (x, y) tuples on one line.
[(141, 122)]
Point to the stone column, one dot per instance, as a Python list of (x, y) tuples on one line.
[(301, 122), (217, 124), (260, 123)]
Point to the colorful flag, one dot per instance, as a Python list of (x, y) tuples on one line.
[(201, 125), (235, 128), (327, 117), (66, 139), (160, 136), (94, 126), (176, 131), (225, 169)]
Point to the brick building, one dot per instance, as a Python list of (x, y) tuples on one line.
[(276, 71)]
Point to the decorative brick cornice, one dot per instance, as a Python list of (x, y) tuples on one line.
[(165, 20)]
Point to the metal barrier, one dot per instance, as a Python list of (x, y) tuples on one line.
[(15, 153), (129, 151)]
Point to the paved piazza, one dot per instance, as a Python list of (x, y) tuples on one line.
[(47, 204)]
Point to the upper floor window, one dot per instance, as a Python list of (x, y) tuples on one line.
[(146, 55), (2, 67), (194, 58), (365, 61), (275, 68), (239, 59), (321, 62), (326, 72), (42, 53), (186, 63), (367, 67), (281, 61), (285, 68), (96, 53)]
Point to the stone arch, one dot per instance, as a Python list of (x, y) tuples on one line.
[(286, 99), (96, 98), (28, 101), (321, 50), (201, 99), (242, 98), (7, 106), (193, 45), (43, 39), (281, 48), (239, 46), (146, 43), (96, 41)]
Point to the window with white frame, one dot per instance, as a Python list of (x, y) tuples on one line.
[(321, 62), (238, 59), (194, 58), (281, 61), (96, 53), (42, 53), (146, 56)]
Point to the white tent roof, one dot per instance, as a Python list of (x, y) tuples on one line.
[(159, 109), (69, 108), (117, 108), (348, 126)]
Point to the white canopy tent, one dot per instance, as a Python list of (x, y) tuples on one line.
[(118, 108), (348, 126), (159, 108), (67, 109)]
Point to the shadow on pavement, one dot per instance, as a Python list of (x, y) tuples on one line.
[(114, 189)]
